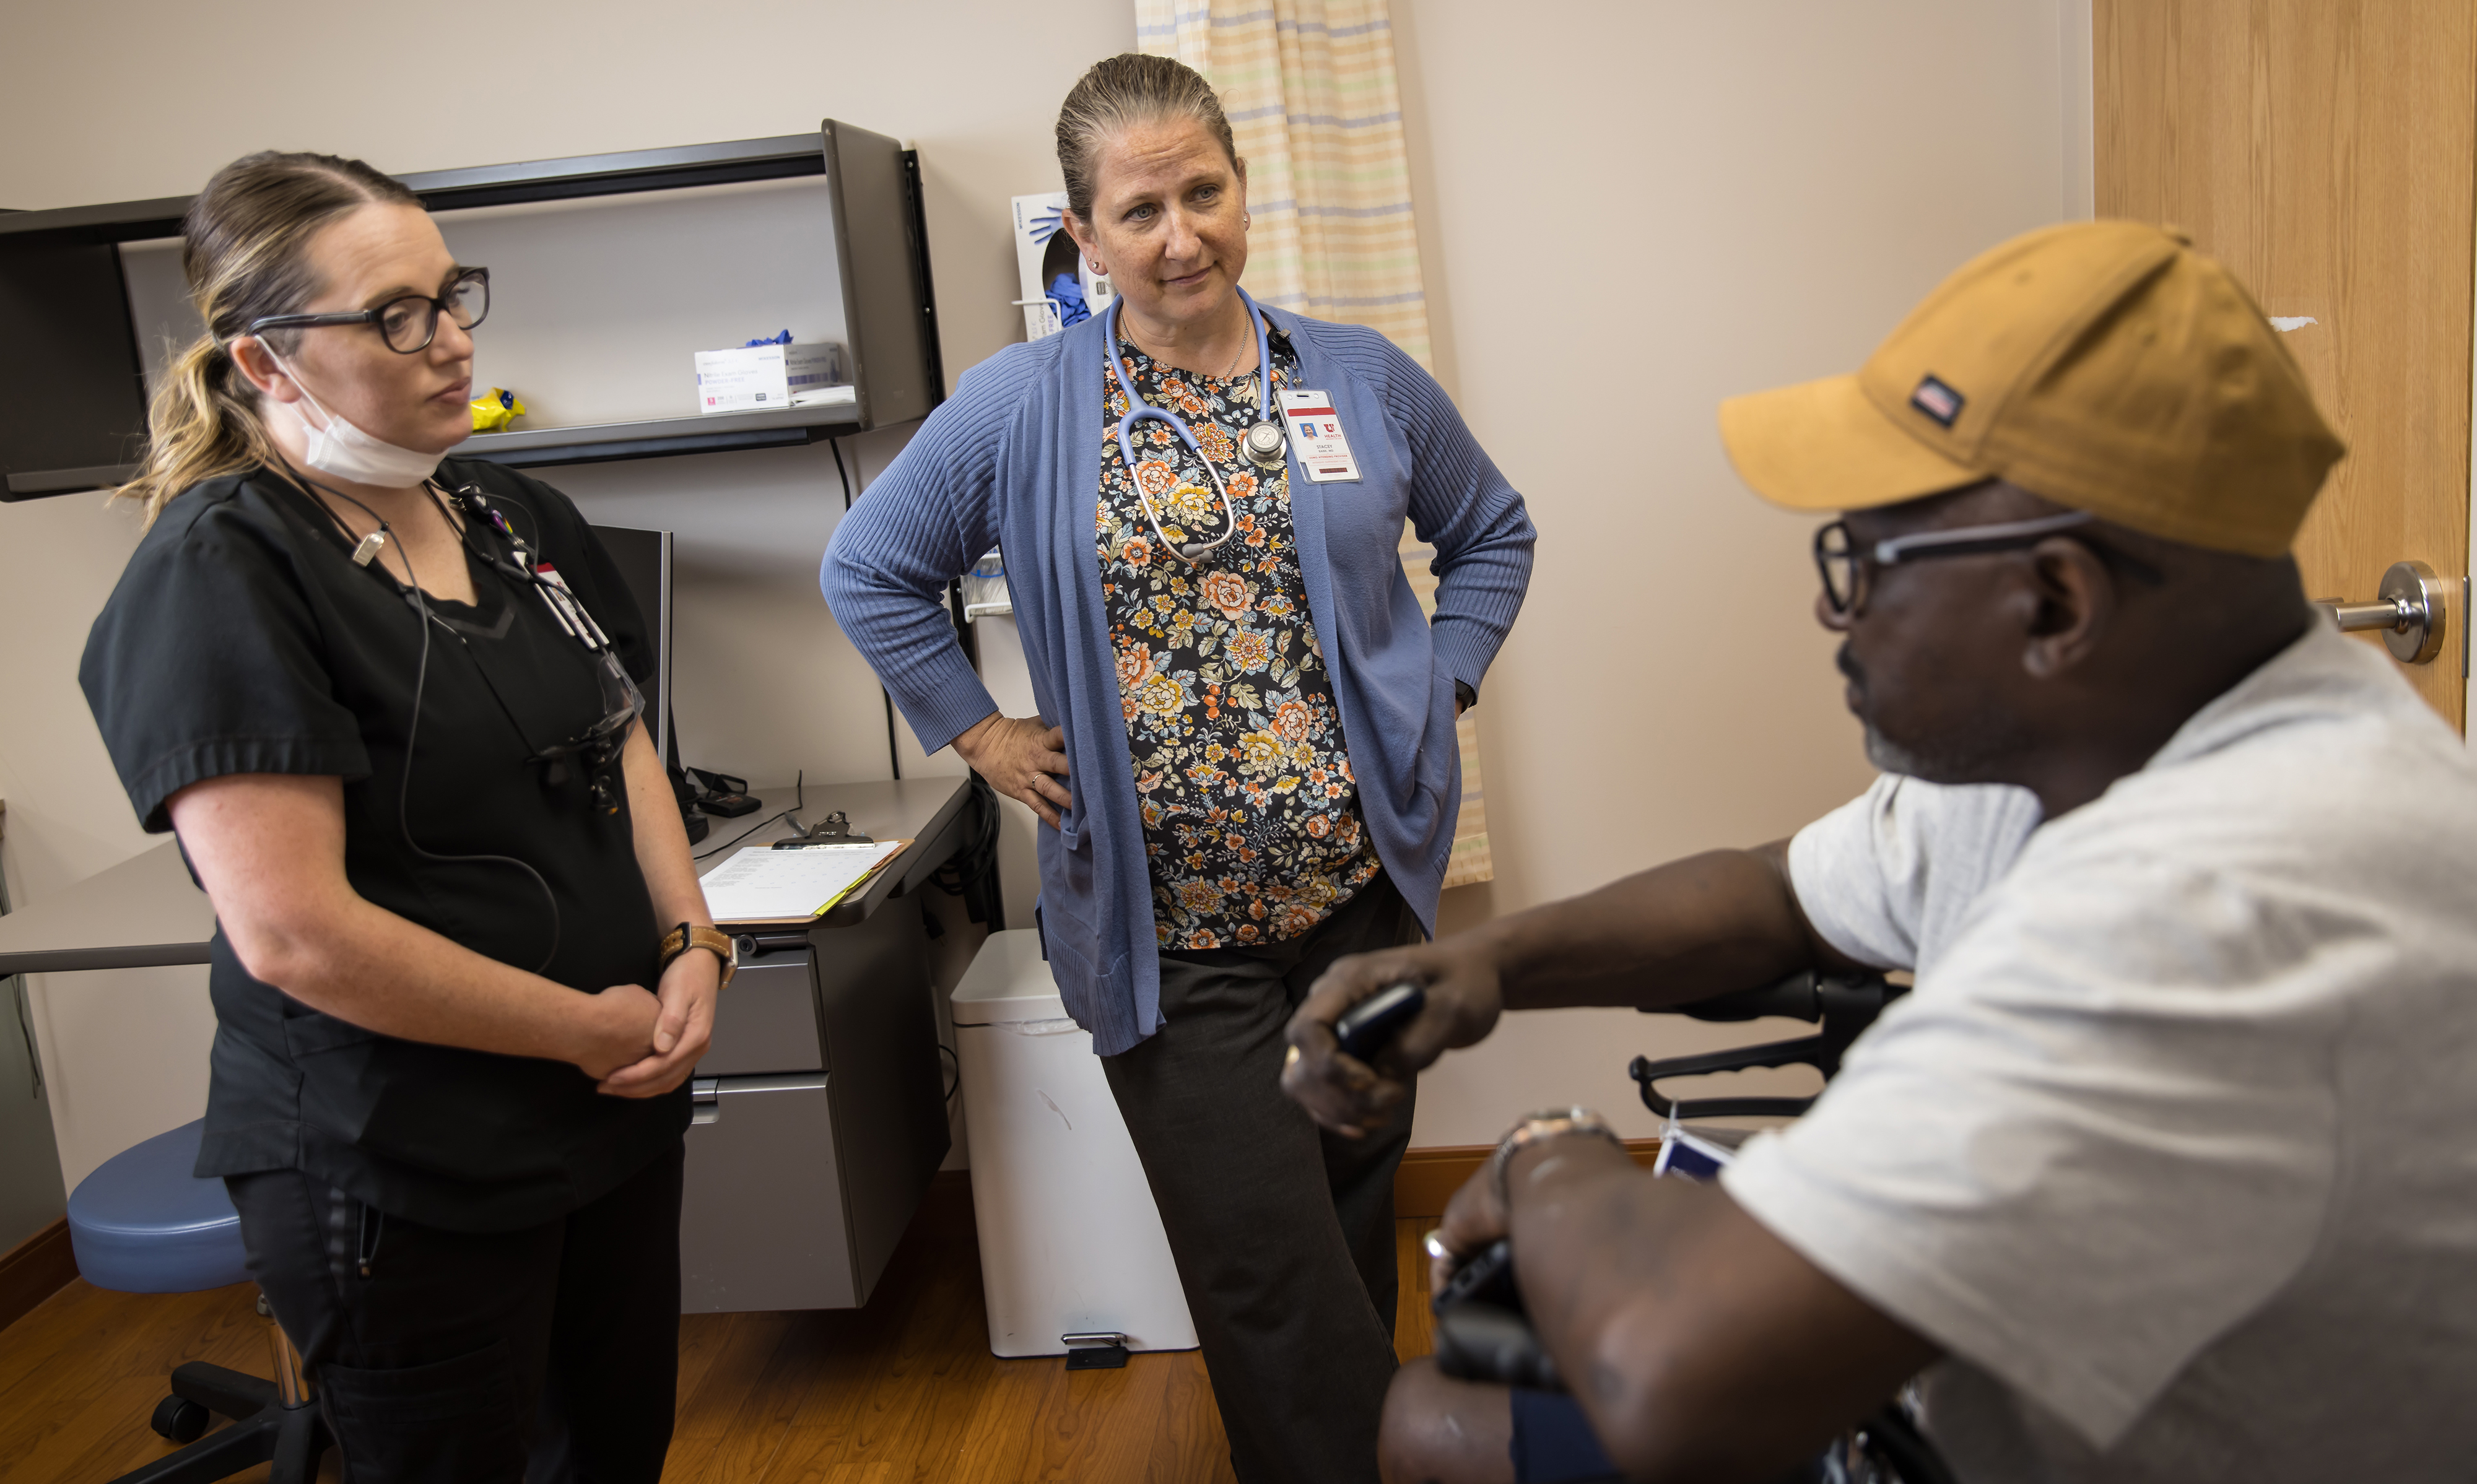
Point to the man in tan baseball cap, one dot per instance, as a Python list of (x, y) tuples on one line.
[(2112, 408), (2106, 365), (2159, 1172)]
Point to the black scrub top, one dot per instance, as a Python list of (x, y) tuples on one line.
[(243, 639)]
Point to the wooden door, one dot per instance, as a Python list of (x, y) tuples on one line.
[(2326, 151)]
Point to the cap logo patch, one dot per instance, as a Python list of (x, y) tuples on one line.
[(1937, 400)]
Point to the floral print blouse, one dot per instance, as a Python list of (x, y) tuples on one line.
[(1250, 813)]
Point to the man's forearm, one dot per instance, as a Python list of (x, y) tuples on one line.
[(1704, 925), (1591, 1231), (1701, 1346)]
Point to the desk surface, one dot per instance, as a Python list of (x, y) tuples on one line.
[(921, 810), (140, 913), (146, 911)]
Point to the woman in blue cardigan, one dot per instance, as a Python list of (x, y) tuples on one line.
[(1245, 757)]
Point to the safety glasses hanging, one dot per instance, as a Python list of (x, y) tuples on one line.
[(407, 324), (599, 746), (1843, 564)]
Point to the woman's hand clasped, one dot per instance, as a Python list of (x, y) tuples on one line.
[(618, 1030), (1023, 759), (653, 1043)]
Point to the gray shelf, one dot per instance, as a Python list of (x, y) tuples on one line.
[(35, 483), (659, 437), (489, 445), (76, 388), (447, 190), (534, 448)]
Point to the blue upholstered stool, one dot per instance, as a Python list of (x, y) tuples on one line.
[(142, 1223)]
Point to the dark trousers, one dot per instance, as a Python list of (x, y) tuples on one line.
[(550, 1352), (1283, 1233)]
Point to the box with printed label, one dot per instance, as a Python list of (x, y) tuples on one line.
[(752, 377)]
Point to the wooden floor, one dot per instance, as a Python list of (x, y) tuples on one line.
[(904, 1390)]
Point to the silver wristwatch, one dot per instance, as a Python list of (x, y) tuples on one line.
[(1549, 1123)]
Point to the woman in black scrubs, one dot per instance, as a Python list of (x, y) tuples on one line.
[(462, 967)]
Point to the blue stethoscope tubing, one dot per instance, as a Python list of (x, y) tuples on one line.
[(1139, 411)]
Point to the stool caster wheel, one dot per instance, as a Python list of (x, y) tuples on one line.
[(180, 1420)]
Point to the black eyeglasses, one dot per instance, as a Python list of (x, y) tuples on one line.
[(407, 324), (1843, 564)]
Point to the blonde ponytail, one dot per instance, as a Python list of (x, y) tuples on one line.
[(244, 251), (198, 427)]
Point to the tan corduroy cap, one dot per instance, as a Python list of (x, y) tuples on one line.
[(2103, 365)]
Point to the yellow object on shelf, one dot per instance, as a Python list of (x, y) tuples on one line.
[(493, 412)]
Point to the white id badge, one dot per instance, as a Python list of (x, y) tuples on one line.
[(1687, 1158), (1315, 431)]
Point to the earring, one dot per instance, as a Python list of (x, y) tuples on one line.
[(1245, 220), (1099, 271)]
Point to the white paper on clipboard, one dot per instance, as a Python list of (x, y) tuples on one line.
[(761, 884)]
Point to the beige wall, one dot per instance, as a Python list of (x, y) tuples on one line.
[(124, 1052), (1628, 212)]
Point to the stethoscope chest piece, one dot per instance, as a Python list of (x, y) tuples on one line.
[(1263, 443), (1264, 446)]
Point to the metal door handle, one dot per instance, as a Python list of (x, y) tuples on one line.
[(2408, 609)]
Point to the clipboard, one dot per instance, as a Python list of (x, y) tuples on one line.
[(762, 886)]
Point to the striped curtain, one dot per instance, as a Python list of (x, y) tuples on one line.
[(1309, 88)]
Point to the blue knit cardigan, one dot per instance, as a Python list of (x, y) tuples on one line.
[(1013, 459)]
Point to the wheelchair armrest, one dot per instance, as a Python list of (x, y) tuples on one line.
[(1791, 999), (1844, 1006)]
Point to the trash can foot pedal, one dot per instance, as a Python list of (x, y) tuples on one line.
[(1095, 1351)]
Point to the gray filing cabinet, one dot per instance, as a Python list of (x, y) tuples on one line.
[(820, 1109)]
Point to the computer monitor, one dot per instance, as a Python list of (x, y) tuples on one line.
[(644, 560)]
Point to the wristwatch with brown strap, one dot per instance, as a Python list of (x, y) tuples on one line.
[(713, 940)]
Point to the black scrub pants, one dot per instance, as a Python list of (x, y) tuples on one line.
[(546, 1353), (1283, 1233)]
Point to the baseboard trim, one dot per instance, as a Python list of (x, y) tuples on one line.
[(1429, 1177), (35, 1269)]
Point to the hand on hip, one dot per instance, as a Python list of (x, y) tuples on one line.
[(1023, 759)]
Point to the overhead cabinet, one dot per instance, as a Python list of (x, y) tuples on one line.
[(608, 273)]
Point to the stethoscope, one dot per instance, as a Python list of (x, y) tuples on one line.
[(1265, 445)]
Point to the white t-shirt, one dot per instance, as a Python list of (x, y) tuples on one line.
[(2173, 1149)]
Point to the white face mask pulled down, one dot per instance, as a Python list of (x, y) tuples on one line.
[(347, 453)]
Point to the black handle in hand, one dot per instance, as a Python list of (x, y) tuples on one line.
[(1365, 1026), (1480, 1342)]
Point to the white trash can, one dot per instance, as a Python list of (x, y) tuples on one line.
[(1071, 1240)]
